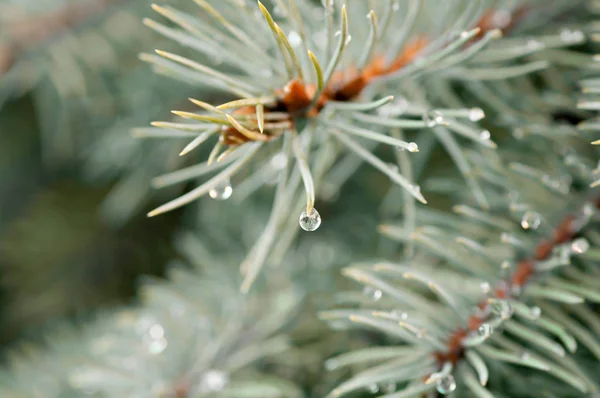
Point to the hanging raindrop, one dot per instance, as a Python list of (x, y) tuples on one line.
[(530, 220), (310, 222), (446, 384), (221, 191), (485, 135)]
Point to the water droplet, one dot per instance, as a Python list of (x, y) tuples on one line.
[(501, 308), (580, 245), (338, 33), (464, 34), (433, 118), (505, 268), (571, 36), (485, 330), (400, 315), (279, 161), (485, 287), (525, 355), (412, 147), (348, 39), (157, 346), (395, 108), (373, 388), (310, 222), (213, 380), (535, 45), (221, 191), (530, 220), (373, 294), (445, 385), (156, 331), (421, 333), (476, 114), (485, 135), (396, 6), (294, 39), (535, 312)]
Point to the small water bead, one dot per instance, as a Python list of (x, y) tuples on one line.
[(396, 5), (310, 222), (395, 108), (372, 293), (485, 135), (535, 45), (221, 191), (157, 346), (348, 39), (393, 167), (485, 287), (485, 330), (412, 147), (501, 308), (530, 220), (156, 331), (294, 39), (213, 380), (535, 312), (580, 245), (446, 384), (524, 355), (399, 315), (433, 118), (279, 161), (373, 388), (476, 114), (571, 36)]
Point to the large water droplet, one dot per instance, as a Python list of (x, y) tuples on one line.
[(530, 220), (580, 245), (445, 385), (310, 222), (221, 191), (485, 330), (485, 135), (372, 293)]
